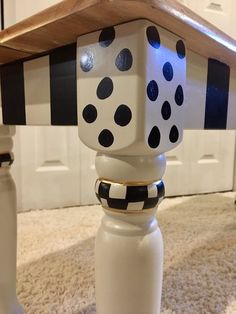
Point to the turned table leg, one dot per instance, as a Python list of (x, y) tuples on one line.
[(129, 248), (8, 227), (131, 85)]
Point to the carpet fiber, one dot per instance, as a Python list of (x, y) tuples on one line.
[(56, 257)]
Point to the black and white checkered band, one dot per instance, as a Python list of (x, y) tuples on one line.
[(129, 197), (6, 160)]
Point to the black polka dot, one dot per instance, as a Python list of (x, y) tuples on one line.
[(154, 137), (105, 88), (107, 36), (153, 37), (168, 71), (123, 115), (180, 48), (86, 61), (152, 90), (179, 95), (90, 113), (106, 138), (166, 110), (174, 134), (124, 60)]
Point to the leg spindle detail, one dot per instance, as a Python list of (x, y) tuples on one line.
[(129, 248), (8, 227)]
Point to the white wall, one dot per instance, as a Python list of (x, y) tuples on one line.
[(221, 13), (26, 8), (17, 10)]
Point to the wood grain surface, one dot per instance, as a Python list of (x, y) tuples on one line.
[(64, 22), (8, 55)]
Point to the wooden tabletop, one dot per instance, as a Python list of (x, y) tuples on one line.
[(62, 23)]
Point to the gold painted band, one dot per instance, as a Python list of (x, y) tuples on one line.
[(129, 183)]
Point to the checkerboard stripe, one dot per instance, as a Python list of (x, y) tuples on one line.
[(129, 197)]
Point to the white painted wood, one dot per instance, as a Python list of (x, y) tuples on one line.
[(129, 249), (8, 299), (231, 118), (37, 91), (147, 66), (129, 265), (116, 167), (88, 175), (196, 85), (194, 115), (186, 164)]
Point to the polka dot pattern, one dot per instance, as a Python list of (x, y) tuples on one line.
[(168, 71), (153, 37), (86, 61), (180, 48), (124, 60), (123, 115), (166, 110), (166, 54), (152, 90), (174, 134), (154, 137), (106, 138), (90, 113), (107, 36), (179, 95), (105, 88)]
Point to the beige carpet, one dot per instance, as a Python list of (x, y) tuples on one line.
[(56, 257)]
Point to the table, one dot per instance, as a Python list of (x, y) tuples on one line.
[(132, 75)]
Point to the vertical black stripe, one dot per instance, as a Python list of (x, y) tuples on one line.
[(217, 95), (13, 94), (63, 86), (2, 14)]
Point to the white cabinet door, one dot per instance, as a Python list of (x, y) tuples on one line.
[(47, 165), (202, 163), (50, 162)]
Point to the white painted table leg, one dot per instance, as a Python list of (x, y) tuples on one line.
[(129, 248), (129, 265), (130, 109), (8, 227)]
